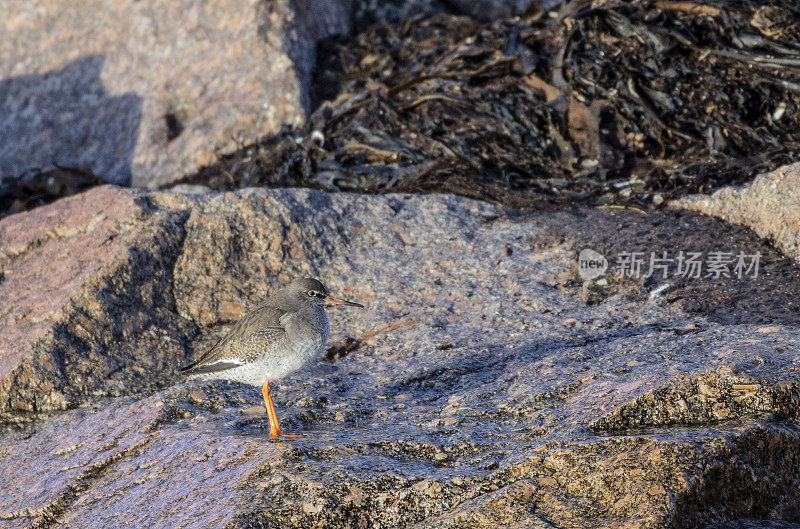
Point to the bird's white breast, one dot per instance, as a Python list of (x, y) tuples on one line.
[(307, 331)]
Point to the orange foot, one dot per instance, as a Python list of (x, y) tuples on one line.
[(285, 435), (274, 425)]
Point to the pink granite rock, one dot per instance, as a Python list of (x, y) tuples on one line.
[(477, 388)]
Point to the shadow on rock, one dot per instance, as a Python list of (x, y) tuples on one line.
[(65, 118), (311, 18), (752, 480)]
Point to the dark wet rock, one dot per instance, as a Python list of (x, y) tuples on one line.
[(772, 296), (478, 388), (144, 92), (490, 440), (770, 206)]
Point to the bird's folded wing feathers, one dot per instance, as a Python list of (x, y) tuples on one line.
[(225, 356), (213, 367)]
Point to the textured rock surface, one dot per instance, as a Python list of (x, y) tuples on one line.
[(87, 300), (770, 206), (146, 91), (490, 394)]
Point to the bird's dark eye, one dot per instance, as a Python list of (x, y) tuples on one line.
[(312, 293)]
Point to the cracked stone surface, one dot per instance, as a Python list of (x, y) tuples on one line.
[(484, 384)]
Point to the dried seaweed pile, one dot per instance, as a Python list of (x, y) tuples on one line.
[(42, 188), (612, 102)]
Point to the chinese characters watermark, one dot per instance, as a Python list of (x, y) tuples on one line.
[(662, 265)]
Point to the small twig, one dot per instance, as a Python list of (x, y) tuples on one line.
[(615, 206), (754, 59), (388, 328), (691, 7), (415, 81), (352, 344), (373, 154), (430, 97), (449, 75)]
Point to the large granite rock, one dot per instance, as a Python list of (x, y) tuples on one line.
[(770, 206), (87, 300), (143, 92), (484, 385)]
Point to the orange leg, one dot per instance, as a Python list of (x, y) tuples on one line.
[(274, 426)]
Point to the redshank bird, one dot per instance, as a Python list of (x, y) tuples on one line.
[(276, 338)]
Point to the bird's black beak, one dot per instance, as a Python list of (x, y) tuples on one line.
[(330, 300)]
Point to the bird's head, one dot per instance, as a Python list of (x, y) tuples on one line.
[(307, 291)]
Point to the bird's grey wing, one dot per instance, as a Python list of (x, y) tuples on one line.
[(245, 341), (261, 317), (235, 354)]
